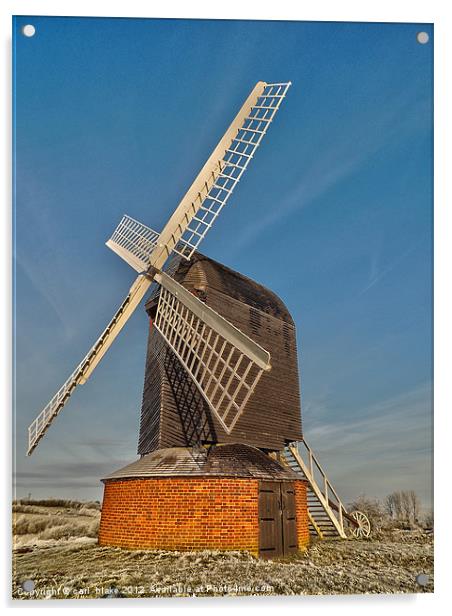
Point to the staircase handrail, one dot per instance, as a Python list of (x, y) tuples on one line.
[(313, 459)]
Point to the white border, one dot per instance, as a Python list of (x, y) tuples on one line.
[(331, 10)]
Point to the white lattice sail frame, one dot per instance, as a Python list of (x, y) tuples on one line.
[(134, 242), (224, 363), (232, 165), (38, 427)]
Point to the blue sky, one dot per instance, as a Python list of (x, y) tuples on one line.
[(334, 214)]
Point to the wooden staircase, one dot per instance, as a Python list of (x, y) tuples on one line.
[(328, 516), (320, 522)]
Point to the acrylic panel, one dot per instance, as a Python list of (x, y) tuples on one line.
[(260, 330)]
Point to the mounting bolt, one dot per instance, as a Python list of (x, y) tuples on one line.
[(422, 579)]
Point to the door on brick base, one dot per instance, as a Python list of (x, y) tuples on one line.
[(277, 519)]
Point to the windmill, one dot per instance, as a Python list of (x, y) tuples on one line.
[(224, 364)]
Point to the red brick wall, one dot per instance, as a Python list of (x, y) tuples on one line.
[(302, 514), (188, 514), (181, 514)]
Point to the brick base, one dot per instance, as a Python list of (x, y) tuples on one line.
[(301, 506), (184, 513)]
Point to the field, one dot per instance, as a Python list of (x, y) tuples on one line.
[(55, 551)]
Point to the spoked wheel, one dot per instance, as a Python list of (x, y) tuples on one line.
[(363, 529)]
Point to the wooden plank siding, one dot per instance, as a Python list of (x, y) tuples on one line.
[(173, 411)]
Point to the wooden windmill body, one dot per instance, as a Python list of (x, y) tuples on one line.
[(173, 411)]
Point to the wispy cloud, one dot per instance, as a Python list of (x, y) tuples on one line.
[(377, 274), (39, 252), (315, 181), (69, 473), (51, 294), (341, 158)]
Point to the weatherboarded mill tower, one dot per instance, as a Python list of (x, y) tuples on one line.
[(197, 486), (223, 462)]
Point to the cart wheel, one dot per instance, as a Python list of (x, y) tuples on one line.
[(363, 530)]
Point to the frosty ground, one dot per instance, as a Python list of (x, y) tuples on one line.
[(56, 548)]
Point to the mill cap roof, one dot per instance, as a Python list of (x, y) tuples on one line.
[(204, 273)]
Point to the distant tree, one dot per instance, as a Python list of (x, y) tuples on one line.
[(427, 521), (390, 506), (406, 505), (415, 506), (403, 506), (394, 505), (398, 505)]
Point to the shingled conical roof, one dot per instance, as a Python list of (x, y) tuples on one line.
[(231, 460)]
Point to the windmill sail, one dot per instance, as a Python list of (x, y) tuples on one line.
[(39, 426), (216, 181), (233, 163), (224, 363), (134, 242), (142, 247)]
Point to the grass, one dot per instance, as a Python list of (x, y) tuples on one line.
[(56, 547), (37, 522), (57, 502)]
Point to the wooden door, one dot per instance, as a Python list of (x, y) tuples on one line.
[(277, 519), (289, 518), (270, 523)]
